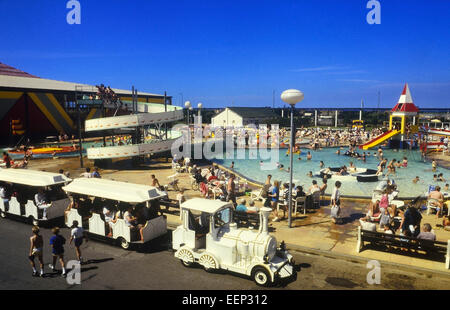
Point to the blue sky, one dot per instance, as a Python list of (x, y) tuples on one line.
[(237, 52)]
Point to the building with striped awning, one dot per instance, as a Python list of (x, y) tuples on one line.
[(38, 107)]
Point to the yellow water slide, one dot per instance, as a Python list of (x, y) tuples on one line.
[(380, 139)]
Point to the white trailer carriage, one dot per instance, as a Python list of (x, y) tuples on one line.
[(216, 243), (25, 183), (109, 192)]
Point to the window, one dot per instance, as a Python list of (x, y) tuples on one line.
[(222, 218)]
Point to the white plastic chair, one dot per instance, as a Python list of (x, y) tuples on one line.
[(257, 194), (300, 201), (377, 195), (316, 198), (432, 204)]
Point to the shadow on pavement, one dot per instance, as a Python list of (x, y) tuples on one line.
[(97, 261), (160, 244), (350, 219)]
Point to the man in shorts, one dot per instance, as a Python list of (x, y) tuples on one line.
[(37, 243), (77, 235), (57, 242), (438, 200)]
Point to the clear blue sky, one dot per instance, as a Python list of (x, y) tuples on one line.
[(220, 52)]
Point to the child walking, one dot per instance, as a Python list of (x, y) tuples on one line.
[(57, 242), (36, 250)]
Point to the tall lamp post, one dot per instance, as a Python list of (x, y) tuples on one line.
[(291, 96), (199, 106), (187, 105)]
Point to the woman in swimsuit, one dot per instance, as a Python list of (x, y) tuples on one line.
[(36, 250)]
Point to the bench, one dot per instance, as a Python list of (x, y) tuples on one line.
[(246, 219), (436, 248), (169, 203)]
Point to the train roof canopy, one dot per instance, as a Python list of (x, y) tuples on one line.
[(204, 205), (114, 190), (32, 177)]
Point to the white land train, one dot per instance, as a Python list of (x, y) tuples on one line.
[(22, 185), (151, 114), (217, 243), (109, 193), (358, 174)]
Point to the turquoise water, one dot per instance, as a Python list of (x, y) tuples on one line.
[(251, 168)]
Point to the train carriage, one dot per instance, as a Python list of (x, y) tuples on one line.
[(90, 196), (21, 187)]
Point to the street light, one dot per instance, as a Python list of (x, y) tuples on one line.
[(291, 96), (199, 107), (187, 105)]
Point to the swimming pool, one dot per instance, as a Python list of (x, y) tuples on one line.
[(251, 169)]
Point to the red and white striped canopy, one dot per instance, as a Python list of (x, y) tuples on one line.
[(405, 102)]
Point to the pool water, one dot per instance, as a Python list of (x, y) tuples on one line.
[(252, 169)]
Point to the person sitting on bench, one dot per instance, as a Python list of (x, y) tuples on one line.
[(41, 202), (410, 225), (132, 221), (110, 219), (426, 234), (242, 208)]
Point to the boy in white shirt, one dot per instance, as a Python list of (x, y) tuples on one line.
[(77, 234), (336, 201)]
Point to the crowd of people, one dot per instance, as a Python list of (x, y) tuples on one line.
[(405, 220), (107, 95)]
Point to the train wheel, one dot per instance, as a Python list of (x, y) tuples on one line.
[(186, 258), (124, 244), (208, 262), (261, 276)]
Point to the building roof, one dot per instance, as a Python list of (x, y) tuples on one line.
[(405, 102), (255, 112), (11, 71), (13, 78)]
